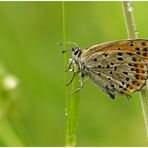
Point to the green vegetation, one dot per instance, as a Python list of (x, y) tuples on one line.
[(29, 33)]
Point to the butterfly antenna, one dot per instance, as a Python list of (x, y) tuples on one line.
[(61, 44)]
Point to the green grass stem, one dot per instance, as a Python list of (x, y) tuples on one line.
[(8, 135), (72, 101), (132, 34)]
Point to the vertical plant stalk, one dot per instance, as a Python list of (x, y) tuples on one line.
[(132, 34), (72, 101)]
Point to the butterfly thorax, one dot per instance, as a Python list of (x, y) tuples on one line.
[(76, 55)]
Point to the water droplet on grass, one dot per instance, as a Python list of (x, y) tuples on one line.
[(66, 112), (130, 7)]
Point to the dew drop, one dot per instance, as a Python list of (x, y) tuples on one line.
[(130, 7), (66, 112), (70, 70)]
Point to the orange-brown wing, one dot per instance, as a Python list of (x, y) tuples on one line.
[(137, 46)]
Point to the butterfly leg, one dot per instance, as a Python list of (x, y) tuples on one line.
[(81, 85), (73, 76), (71, 70), (70, 64)]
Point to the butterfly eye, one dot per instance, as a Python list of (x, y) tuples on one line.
[(77, 51)]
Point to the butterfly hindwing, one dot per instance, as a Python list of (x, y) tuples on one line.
[(117, 71)]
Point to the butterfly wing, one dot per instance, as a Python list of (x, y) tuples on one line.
[(118, 70), (137, 46)]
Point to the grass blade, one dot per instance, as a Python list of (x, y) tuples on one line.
[(72, 101), (132, 34)]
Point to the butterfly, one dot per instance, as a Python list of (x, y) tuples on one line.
[(117, 67)]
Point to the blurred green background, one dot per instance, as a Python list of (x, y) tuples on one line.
[(29, 33)]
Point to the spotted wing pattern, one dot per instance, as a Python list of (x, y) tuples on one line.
[(118, 67)]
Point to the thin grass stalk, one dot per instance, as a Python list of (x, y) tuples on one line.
[(132, 34), (72, 101)]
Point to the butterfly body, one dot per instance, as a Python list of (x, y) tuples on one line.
[(117, 67)]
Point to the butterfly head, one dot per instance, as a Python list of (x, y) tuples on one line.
[(76, 52)]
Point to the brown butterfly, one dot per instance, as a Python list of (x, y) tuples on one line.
[(117, 67)]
